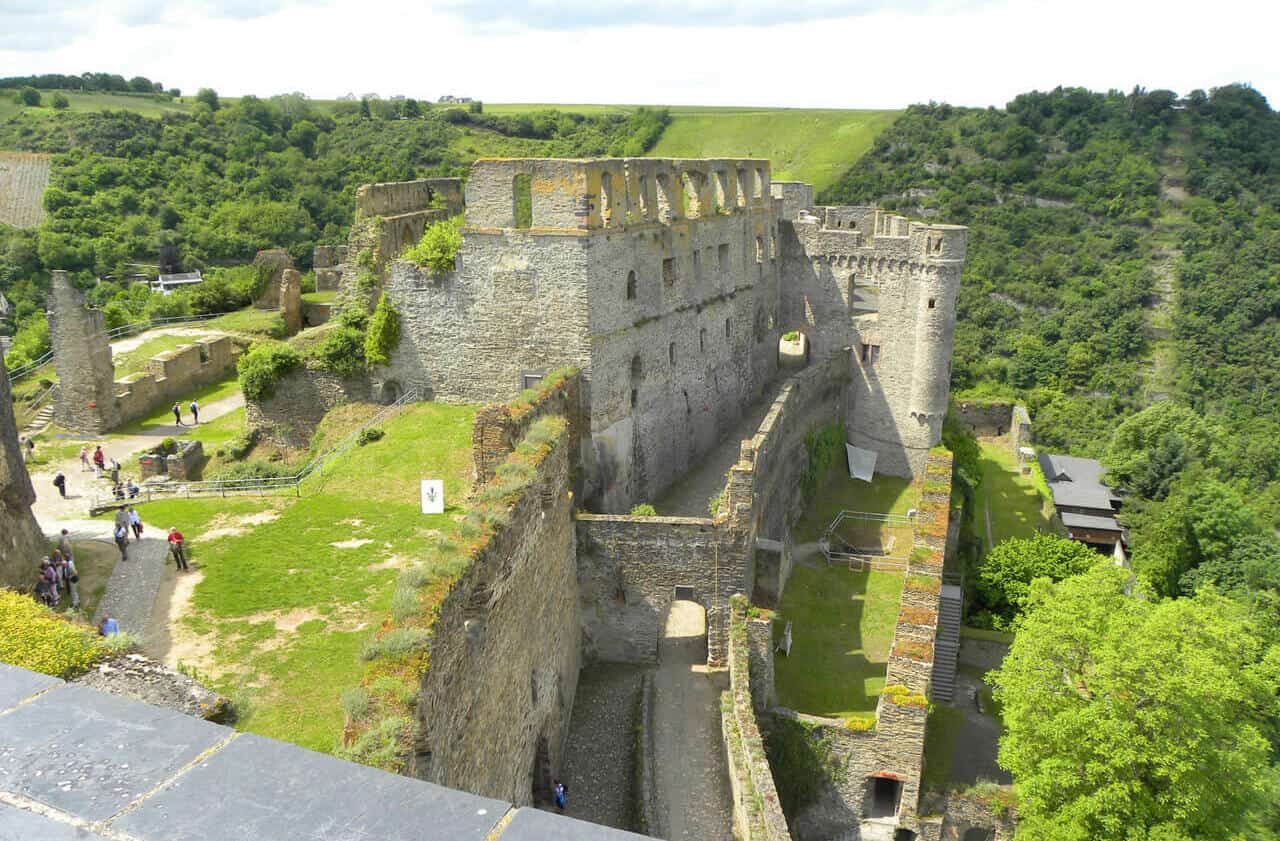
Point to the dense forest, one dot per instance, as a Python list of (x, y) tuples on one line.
[(1124, 280), (230, 179)]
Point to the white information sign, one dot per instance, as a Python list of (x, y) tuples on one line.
[(432, 496)]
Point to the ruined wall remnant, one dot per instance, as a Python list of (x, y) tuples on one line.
[(498, 428), (21, 542), (299, 401), (290, 297), (82, 357), (326, 262), (174, 376), (494, 705), (272, 262)]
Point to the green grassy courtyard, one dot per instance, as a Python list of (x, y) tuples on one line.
[(1009, 503), (842, 629), (285, 591)]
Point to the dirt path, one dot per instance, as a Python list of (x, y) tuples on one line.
[(691, 774), (51, 510)]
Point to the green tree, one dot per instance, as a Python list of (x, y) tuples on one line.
[(437, 248), (209, 97), (1136, 440), (1006, 573), (59, 101), (29, 96), (1128, 718), (411, 109)]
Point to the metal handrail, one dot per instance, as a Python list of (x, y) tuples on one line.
[(115, 333), (224, 487)]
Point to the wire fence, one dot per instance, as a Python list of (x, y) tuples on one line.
[(115, 333), (839, 548), (273, 486)]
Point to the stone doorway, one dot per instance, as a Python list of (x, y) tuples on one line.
[(885, 793)]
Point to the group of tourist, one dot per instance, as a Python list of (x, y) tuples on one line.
[(57, 574), (98, 462)]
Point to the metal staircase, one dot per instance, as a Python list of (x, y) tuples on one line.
[(946, 647)]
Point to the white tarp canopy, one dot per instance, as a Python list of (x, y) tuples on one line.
[(862, 463)]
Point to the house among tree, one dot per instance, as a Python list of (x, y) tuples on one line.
[(1086, 506)]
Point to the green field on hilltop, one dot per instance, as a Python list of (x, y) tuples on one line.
[(144, 104), (813, 145)]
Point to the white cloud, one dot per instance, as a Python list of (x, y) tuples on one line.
[(840, 55)]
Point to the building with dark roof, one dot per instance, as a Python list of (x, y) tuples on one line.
[(1086, 506)]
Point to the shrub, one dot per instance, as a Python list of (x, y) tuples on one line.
[(255, 469), (860, 723), (380, 745), (121, 643), (263, 366), (33, 637), (415, 576), (903, 697), (644, 509), (791, 335), (59, 102), (341, 351), (404, 603), (238, 447), (716, 503), (369, 435), (383, 334), (438, 248), (825, 447), (355, 702), (398, 642)]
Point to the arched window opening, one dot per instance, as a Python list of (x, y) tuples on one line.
[(631, 285)]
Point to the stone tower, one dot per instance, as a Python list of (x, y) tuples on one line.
[(21, 542), (82, 356)]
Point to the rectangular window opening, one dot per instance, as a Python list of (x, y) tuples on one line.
[(523, 194), (669, 271)]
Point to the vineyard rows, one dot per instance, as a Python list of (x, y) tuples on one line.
[(23, 177)]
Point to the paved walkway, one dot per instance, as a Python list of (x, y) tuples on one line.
[(134, 584), (599, 755), (690, 496), (692, 777)]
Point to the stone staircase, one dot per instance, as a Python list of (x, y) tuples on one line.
[(946, 647), (42, 419)]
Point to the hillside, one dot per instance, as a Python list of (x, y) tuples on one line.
[(813, 145)]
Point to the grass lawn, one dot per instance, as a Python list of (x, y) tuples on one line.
[(328, 296), (131, 361), (255, 324), (940, 735), (1019, 505), (95, 561), (882, 495), (290, 589), (98, 101), (842, 627)]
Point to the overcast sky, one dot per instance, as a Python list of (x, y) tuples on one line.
[(812, 53)]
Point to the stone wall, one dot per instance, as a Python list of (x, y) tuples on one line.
[(291, 300), (1019, 430), (628, 570), (85, 400), (956, 814), (299, 401), (757, 811), (326, 262), (183, 465), (21, 542), (986, 418), (763, 494), (494, 704), (499, 427), (174, 375)]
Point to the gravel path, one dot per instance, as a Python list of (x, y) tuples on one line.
[(599, 755), (689, 496), (692, 776), (132, 588)]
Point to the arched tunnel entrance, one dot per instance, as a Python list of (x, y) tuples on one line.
[(794, 351)]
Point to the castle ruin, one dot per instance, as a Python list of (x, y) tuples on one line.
[(21, 540), (667, 284)]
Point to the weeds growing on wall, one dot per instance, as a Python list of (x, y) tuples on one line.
[(341, 352), (398, 655), (383, 334), (263, 366), (825, 447), (644, 509), (438, 247)]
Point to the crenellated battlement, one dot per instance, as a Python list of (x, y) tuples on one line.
[(547, 195)]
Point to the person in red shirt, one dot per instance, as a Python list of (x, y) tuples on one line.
[(176, 543)]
